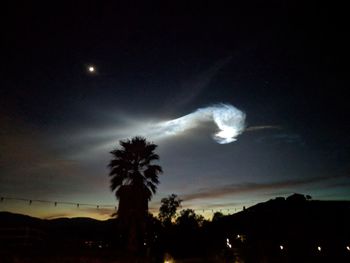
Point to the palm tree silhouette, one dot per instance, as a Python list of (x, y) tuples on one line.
[(134, 179)]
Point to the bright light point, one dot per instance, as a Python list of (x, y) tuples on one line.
[(348, 248), (281, 247), (168, 259), (319, 248), (226, 136), (228, 244), (91, 69)]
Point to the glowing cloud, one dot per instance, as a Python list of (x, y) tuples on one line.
[(229, 120)]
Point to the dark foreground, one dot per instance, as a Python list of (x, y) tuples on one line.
[(279, 230)]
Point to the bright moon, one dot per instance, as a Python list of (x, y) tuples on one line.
[(91, 69)]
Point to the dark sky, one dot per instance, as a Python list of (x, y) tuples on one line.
[(280, 62)]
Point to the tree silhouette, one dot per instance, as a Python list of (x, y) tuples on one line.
[(217, 216), (188, 235), (167, 210), (134, 179), (189, 219)]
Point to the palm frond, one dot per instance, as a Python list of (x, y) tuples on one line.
[(132, 166)]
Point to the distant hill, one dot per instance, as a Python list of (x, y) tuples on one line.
[(294, 216), (8, 219), (65, 231), (294, 226), (13, 219)]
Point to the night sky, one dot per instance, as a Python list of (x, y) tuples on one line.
[(280, 62)]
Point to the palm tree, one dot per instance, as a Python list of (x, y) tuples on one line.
[(134, 178)]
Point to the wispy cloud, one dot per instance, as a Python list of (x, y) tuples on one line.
[(219, 205), (26, 150), (101, 212), (237, 189), (193, 87), (56, 215), (278, 138), (28, 163)]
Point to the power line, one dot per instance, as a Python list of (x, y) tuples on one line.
[(55, 203), (101, 206)]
